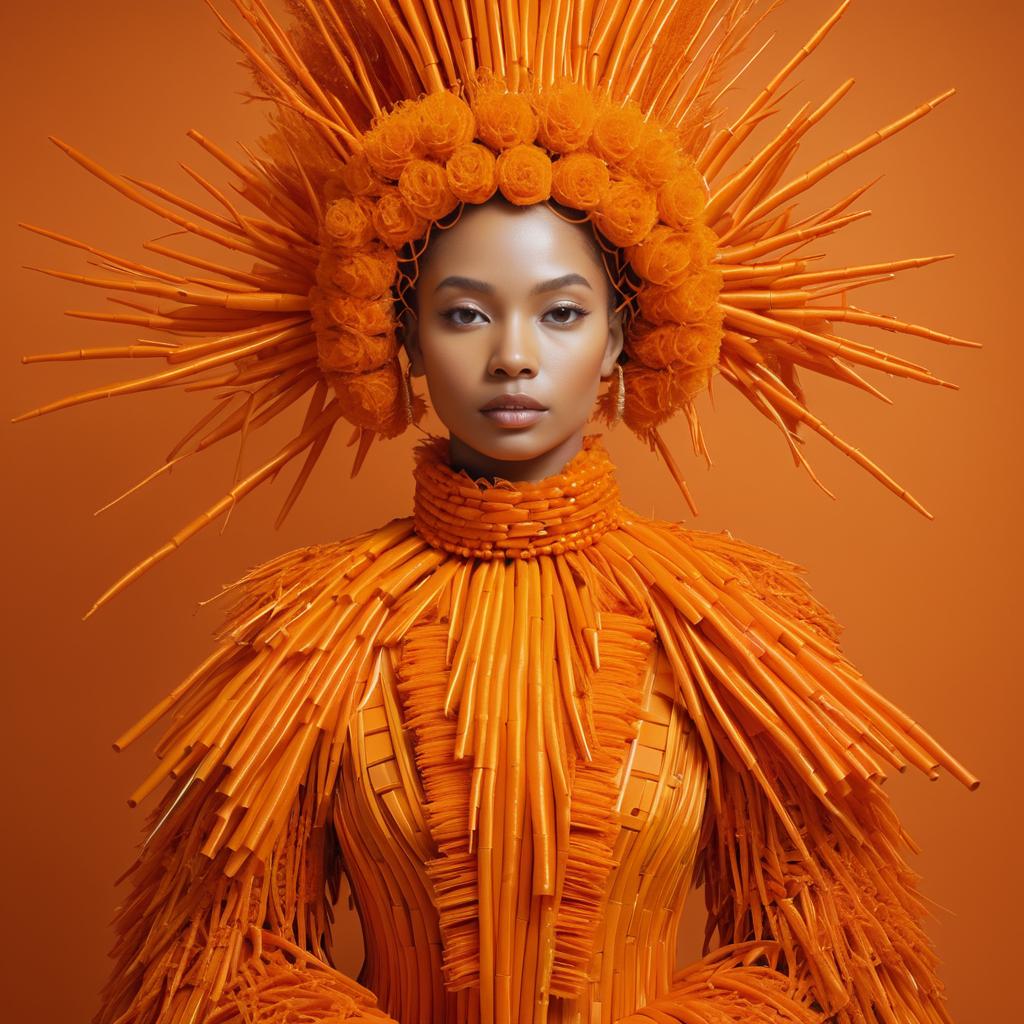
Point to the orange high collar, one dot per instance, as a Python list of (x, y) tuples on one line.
[(483, 519)]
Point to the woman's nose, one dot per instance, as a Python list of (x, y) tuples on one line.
[(515, 350)]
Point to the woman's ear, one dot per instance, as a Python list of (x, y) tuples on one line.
[(613, 347), (409, 336)]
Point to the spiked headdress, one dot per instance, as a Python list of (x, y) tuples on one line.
[(389, 117)]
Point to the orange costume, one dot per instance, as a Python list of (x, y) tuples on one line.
[(525, 720), (522, 734)]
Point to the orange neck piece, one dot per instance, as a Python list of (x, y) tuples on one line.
[(505, 519)]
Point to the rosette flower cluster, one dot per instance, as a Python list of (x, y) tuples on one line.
[(565, 143)]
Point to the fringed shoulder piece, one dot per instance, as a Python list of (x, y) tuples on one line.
[(802, 851), (238, 866)]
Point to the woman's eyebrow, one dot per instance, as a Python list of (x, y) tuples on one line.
[(469, 283), (560, 282), (472, 284)]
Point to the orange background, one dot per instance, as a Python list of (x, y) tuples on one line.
[(931, 609)]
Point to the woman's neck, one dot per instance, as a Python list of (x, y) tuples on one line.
[(477, 465)]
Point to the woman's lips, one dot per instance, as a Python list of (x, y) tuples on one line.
[(514, 417), (514, 410)]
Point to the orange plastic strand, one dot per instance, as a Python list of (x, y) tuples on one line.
[(666, 453), (330, 414), (748, 319), (773, 241), (802, 280), (117, 261), (854, 315), (826, 167), (729, 139), (783, 401)]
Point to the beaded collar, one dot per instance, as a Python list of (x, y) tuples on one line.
[(484, 519)]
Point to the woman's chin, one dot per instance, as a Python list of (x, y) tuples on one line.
[(506, 443)]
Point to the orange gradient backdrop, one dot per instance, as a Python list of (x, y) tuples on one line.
[(931, 609)]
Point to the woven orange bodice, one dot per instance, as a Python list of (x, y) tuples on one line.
[(460, 921)]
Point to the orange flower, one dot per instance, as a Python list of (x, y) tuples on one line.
[(364, 275), (616, 132), (567, 114), (424, 187), (524, 175), (684, 303), (375, 400), (626, 213), (579, 180), (395, 222), (349, 223), (675, 346), (343, 351), (654, 396), (705, 244), (358, 179), (445, 122), (665, 256), (504, 119), (471, 173), (683, 197), (393, 142), (362, 316), (657, 157)]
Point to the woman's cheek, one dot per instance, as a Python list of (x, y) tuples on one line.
[(452, 373)]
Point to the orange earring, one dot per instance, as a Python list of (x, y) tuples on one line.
[(620, 394), (408, 393)]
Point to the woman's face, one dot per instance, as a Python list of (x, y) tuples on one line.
[(513, 305)]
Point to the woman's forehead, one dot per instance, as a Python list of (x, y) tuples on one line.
[(497, 242)]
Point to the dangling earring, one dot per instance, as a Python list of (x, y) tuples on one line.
[(408, 394), (620, 394)]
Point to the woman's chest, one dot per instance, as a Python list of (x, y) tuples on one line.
[(527, 861)]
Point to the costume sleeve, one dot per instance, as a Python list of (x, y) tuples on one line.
[(197, 942), (832, 918), (813, 911), (228, 915)]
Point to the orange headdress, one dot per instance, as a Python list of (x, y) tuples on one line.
[(391, 115)]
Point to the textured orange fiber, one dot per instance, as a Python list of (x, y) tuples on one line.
[(524, 721)]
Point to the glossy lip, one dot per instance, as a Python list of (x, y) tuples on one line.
[(515, 400), (520, 417)]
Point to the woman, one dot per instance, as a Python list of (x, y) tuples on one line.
[(525, 718)]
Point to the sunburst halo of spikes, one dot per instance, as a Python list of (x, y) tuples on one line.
[(389, 117)]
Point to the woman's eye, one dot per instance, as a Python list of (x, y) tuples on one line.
[(566, 313), (462, 316)]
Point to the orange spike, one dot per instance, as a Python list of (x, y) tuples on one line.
[(155, 380), (751, 250), (323, 422), (826, 167), (801, 280), (666, 454), (854, 315), (731, 138), (780, 398), (742, 383), (748, 318), (144, 349), (161, 211)]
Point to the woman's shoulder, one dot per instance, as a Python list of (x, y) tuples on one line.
[(296, 579), (770, 576)]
